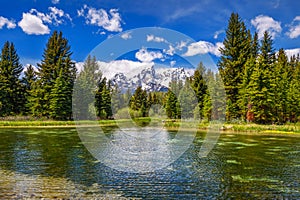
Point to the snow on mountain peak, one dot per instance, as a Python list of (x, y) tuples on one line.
[(131, 74)]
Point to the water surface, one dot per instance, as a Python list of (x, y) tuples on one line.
[(53, 163)]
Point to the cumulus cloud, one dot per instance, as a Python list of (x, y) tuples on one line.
[(110, 21), (127, 67), (126, 36), (33, 25), (10, 24), (294, 30), (155, 39), (203, 47), (35, 22), (264, 23), (148, 56)]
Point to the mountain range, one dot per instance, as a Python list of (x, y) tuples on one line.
[(131, 74)]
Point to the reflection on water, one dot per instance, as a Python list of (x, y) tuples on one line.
[(53, 163), (135, 149)]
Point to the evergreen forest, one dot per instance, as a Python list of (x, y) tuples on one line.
[(262, 85)]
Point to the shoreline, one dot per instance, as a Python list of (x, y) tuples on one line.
[(253, 129)]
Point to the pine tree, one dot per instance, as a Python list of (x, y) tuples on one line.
[(200, 87), (106, 97), (235, 53), (293, 95), (116, 99), (60, 105), (85, 89), (188, 101), (172, 106), (171, 102), (262, 84), (11, 90), (244, 98), (138, 103), (99, 102), (56, 57), (28, 81), (282, 82)]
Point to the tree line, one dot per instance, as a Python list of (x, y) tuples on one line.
[(261, 85)]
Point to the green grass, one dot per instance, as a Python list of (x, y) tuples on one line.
[(156, 122), (287, 128), (35, 123)]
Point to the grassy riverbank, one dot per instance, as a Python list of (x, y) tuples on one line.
[(156, 122)]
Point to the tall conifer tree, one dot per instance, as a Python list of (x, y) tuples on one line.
[(29, 81), (56, 62), (12, 99), (235, 53), (262, 83)]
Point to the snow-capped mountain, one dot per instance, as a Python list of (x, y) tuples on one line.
[(150, 78), (131, 74)]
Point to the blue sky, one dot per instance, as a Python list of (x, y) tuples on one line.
[(29, 23)]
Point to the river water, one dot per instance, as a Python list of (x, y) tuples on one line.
[(53, 163)]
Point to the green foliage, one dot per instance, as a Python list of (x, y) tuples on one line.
[(293, 94), (139, 105), (199, 86), (29, 80), (55, 64), (235, 53), (188, 101), (103, 100), (12, 92), (282, 80), (60, 101), (85, 89), (261, 85), (171, 102)]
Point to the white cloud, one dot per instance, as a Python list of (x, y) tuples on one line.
[(217, 33), (183, 12), (181, 45), (291, 52), (148, 56), (34, 22), (127, 67), (33, 25), (170, 51), (10, 24), (155, 39), (57, 15), (174, 47), (264, 23), (99, 17), (294, 30), (203, 47), (126, 36), (55, 1)]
